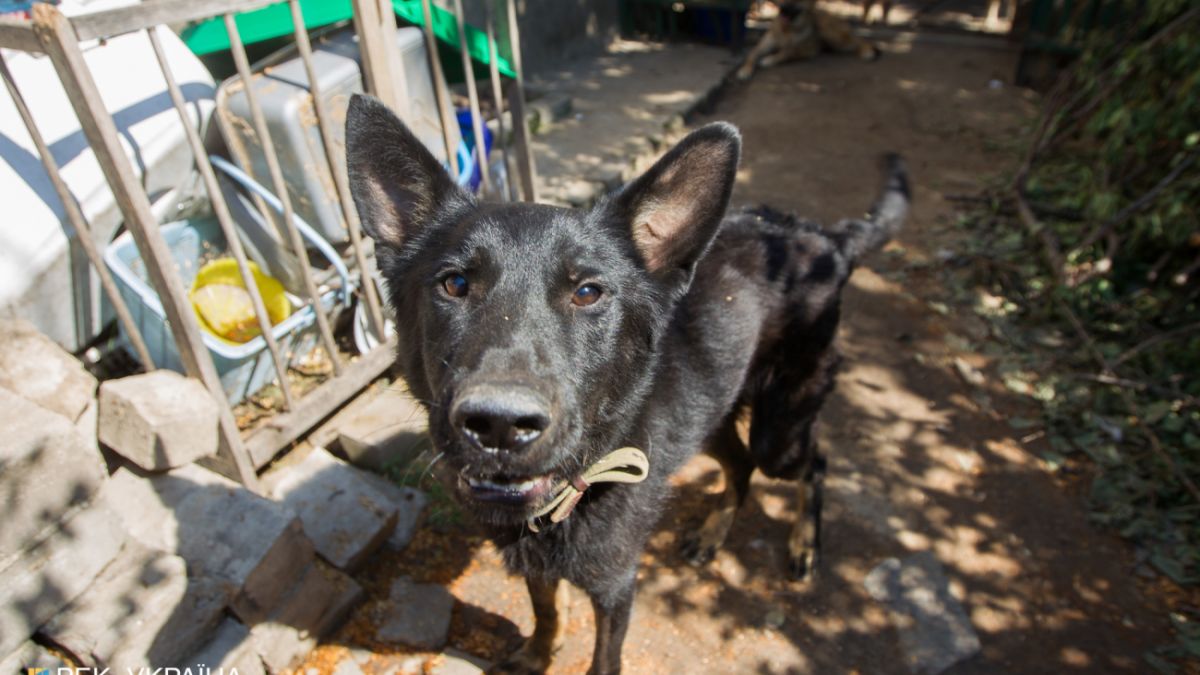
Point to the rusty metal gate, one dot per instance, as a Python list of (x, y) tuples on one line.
[(49, 32)]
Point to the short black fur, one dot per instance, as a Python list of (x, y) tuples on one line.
[(698, 315)]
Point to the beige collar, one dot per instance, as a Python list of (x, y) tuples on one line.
[(624, 465)]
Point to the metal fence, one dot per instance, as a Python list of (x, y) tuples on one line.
[(51, 33)]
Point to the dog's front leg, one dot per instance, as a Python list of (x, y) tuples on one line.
[(550, 605), (612, 620)]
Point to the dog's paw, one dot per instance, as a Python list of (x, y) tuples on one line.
[(524, 661), (803, 567), (696, 552), (744, 74)]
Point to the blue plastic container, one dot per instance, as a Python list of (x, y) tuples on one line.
[(244, 368), (472, 177)]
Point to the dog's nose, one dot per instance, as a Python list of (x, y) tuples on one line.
[(495, 418)]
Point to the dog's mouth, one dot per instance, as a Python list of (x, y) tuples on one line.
[(516, 491)]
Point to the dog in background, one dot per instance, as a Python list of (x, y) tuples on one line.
[(801, 31), (572, 360)]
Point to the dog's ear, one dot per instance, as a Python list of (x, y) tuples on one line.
[(673, 210), (397, 184)]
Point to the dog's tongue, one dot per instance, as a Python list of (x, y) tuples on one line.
[(516, 491)]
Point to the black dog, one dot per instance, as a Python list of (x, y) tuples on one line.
[(543, 339)]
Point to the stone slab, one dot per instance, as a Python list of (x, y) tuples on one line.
[(36, 368), (418, 615), (344, 515), (221, 529), (380, 432), (88, 425), (934, 630), (229, 647), (38, 583), (315, 606), (410, 503), (158, 420), (143, 610), (47, 468)]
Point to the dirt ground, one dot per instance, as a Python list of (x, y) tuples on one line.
[(919, 460)]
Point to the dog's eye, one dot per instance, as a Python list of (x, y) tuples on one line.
[(585, 295), (456, 285)]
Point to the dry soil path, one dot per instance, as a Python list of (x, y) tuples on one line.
[(920, 460)]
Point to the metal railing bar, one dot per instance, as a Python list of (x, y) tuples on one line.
[(498, 101), (441, 91), (121, 20), (18, 34), (377, 66), (221, 210), (237, 149), (83, 231), (60, 44), (340, 179), (264, 443), (473, 100), (517, 104), (280, 187)]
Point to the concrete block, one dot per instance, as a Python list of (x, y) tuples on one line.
[(382, 432), (344, 515), (418, 616), (88, 424), (39, 582), (143, 610), (230, 647), (31, 655), (410, 502), (47, 468), (221, 529), (158, 420), (35, 367), (316, 605), (934, 630)]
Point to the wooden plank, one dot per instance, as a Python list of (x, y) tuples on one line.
[(340, 178), (221, 210), (113, 22), (59, 42), (281, 431), (280, 187), (516, 102), (83, 231), (473, 100), (18, 34)]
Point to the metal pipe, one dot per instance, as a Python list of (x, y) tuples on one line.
[(268, 148), (341, 181)]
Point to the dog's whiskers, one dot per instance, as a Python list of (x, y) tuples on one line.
[(429, 467)]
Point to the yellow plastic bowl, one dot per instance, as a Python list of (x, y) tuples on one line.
[(242, 325)]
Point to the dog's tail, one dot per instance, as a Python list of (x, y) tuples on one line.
[(858, 237)]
